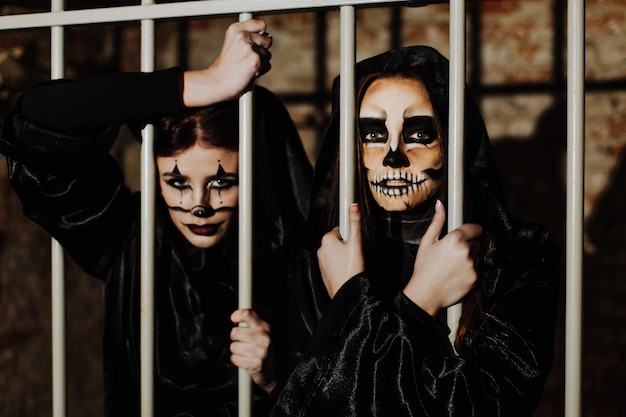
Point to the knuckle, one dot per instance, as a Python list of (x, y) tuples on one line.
[(235, 27), (245, 314)]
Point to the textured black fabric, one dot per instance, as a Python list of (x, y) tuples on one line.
[(375, 353), (73, 188)]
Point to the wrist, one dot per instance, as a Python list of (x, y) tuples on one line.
[(421, 300), (268, 387), (199, 89)]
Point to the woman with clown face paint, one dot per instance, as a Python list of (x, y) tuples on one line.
[(57, 142), (379, 346)]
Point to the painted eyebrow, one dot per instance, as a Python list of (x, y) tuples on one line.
[(373, 122), (167, 176), (425, 122), (209, 178), (174, 174)]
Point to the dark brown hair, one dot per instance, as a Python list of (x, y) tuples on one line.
[(472, 302), (362, 194), (212, 126)]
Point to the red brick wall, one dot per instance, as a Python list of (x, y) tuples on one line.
[(516, 65)]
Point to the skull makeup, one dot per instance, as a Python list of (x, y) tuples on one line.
[(400, 145)]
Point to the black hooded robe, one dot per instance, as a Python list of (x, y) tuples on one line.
[(57, 142), (375, 353)]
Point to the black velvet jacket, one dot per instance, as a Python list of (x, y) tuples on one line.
[(57, 142), (376, 353)]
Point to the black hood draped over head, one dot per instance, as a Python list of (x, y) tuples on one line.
[(374, 351), (387, 256), (57, 141), (482, 186)]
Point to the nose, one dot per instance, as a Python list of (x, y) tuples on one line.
[(201, 196), (202, 202), (202, 212), (396, 159)]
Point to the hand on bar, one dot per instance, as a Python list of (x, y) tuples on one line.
[(445, 269), (244, 56)]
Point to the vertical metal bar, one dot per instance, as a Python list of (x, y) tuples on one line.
[(245, 228), (574, 204), (346, 118), (59, 385), (456, 132), (147, 235)]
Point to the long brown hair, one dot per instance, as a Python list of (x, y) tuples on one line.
[(362, 194), (472, 302)]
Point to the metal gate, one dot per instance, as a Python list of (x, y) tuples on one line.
[(149, 12)]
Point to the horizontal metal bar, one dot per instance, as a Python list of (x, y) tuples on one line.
[(169, 11)]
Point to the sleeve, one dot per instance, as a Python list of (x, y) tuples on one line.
[(505, 358), (57, 141), (363, 359), (368, 357)]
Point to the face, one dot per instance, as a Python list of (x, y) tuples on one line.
[(200, 187), (399, 142)]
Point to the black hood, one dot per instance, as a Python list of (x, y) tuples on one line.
[(483, 196)]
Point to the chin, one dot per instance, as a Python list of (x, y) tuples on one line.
[(397, 205)]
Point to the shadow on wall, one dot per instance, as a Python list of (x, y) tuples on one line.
[(604, 341), (534, 173)]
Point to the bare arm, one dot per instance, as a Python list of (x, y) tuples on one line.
[(244, 56)]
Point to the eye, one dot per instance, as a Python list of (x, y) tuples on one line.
[(178, 183), (372, 130), (423, 137), (419, 130), (374, 136), (223, 183)]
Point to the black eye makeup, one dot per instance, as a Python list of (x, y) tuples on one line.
[(223, 181), (373, 131), (420, 130), (178, 182)]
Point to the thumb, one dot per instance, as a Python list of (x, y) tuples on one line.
[(436, 224), (354, 213)]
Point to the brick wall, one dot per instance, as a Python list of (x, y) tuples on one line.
[(516, 67)]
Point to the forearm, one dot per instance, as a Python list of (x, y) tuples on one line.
[(78, 107)]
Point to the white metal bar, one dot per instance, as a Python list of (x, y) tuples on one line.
[(574, 204), (346, 118), (246, 150), (147, 234), (59, 384), (168, 11), (456, 132)]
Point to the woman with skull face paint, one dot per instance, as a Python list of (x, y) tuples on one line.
[(57, 142), (379, 347)]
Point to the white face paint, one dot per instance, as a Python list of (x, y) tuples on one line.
[(201, 189), (399, 143)]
